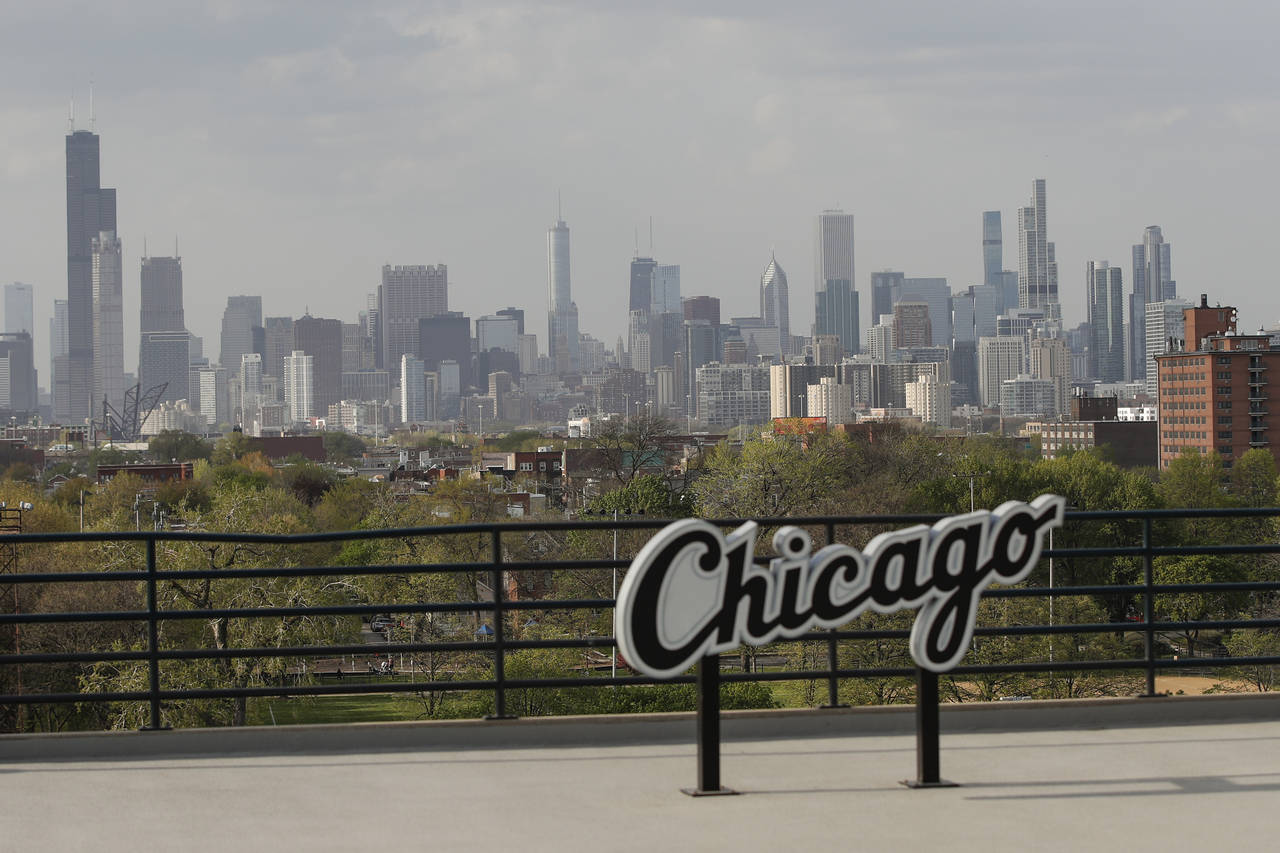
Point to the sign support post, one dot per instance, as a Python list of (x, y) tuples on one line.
[(708, 688)]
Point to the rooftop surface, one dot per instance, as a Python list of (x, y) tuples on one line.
[(1159, 774)]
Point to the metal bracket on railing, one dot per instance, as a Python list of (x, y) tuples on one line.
[(708, 687), (153, 643), (499, 635), (928, 765)]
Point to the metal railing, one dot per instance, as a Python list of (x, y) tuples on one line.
[(156, 629)]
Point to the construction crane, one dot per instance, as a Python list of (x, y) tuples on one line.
[(137, 407)]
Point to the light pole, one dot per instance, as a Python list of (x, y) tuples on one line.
[(11, 523)]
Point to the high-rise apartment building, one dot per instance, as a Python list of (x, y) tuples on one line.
[(1037, 264), (91, 211), (775, 308), (911, 325), (1165, 332), (999, 359), (413, 390), (836, 308), (407, 295), (250, 386), (299, 386), (562, 313), (1106, 322), (19, 315), (241, 317), (107, 287)]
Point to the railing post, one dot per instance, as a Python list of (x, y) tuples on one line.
[(833, 649), (928, 762), (499, 635), (153, 639), (708, 688), (1148, 608)]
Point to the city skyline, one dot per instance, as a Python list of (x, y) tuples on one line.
[(906, 120)]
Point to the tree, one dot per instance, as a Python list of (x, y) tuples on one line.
[(1197, 606), (626, 446), (773, 478), (231, 447), (178, 446), (342, 447)]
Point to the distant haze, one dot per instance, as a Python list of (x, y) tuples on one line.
[(294, 148)]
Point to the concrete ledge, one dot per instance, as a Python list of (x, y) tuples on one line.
[(638, 729)]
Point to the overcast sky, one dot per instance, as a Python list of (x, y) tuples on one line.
[(294, 148)]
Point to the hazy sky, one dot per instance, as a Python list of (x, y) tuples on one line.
[(294, 148)]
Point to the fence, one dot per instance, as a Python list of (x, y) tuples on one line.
[(505, 575)]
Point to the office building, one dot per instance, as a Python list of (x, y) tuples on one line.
[(164, 358), (836, 300), (498, 331), (91, 212), (18, 393), (321, 339), (1152, 282), (241, 317), (407, 295), (929, 399), (1106, 322), (775, 308), (937, 295), (640, 293), (19, 314), (883, 287), (706, 308), (729, 395), (446, 337), (992, 248), (161, 296), (277, 344), (107, 281)]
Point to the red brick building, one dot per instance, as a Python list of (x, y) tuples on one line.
[(1214, 395)]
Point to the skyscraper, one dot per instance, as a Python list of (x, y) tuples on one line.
[(775, 309), (836, 309), (91, 211), (18, 312), (18, 394), (57, 341), (1152, 282), (277, 339), (322, 340), (299, 386), (243, 314), (1037, 264), (164, 346), (641, 282), (162, 295), (408, 294), (562, 313), (992, 247), (1106, 322), (107, 287)]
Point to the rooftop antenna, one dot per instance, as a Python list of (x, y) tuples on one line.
[(144, 245), (71, 115), (92, 116), (637, 254), (651, 236), (559, 212), (175, 246)]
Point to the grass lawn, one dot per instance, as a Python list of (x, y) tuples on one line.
[(371, 708)]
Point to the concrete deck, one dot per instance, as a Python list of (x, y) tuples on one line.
[(1161, 774)]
